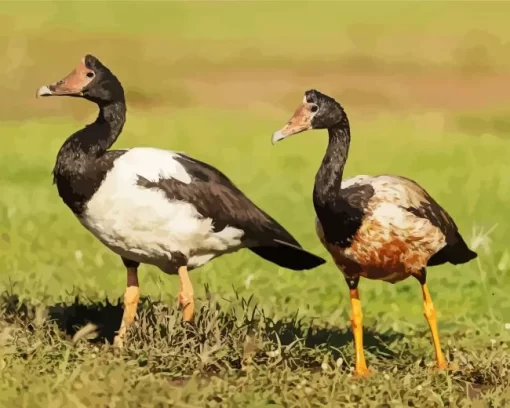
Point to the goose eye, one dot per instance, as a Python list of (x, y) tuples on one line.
[(90, 74), (314, 108)]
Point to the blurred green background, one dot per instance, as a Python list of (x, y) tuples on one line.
[(426, 86)]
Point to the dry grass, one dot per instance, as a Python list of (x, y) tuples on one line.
[(231, 356)]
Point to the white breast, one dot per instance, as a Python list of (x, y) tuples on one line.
[(144, 224)]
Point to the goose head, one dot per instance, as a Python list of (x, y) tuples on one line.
[(90, 80), (317, 111)]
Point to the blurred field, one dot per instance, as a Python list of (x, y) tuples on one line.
[(426, 87)]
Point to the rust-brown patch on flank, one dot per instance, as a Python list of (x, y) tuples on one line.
[(386, 252), (349, 267), (74, 83)]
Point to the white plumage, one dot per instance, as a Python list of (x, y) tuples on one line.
[(144, 224)]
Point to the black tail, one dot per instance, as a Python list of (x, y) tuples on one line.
[(288, 256), (456, 254), (275, 244), (460, 254)]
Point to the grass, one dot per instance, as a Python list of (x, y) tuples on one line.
[(231, 356), (205, 79)]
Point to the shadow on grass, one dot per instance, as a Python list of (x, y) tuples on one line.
[(106, 316), (374, 342), (70, 318), (231, 338)]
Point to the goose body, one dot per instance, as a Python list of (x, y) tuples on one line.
[(151, 226), (377, 227), (401, 228), (155, 206)]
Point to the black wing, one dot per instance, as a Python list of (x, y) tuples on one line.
[(456, 250), (216, 197), (429, 209)]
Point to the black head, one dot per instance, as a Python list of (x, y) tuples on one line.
[(318, 111), (90, 80)]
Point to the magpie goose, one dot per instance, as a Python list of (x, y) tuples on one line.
[(381, 227), (155, 206)]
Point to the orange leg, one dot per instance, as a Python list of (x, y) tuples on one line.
[(357, 328), (430, 315), (131, 299), (186, 299)]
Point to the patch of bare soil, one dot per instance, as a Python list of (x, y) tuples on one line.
[(279, 89), (364, 91)]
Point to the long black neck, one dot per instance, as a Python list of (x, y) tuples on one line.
[(93, 140), (340, 212), (110, 120), (328, 180), (82, 163)]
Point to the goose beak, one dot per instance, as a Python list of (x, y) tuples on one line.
[(43, 91), (277, 136), (300, 122), (72, 85), (58, 89)]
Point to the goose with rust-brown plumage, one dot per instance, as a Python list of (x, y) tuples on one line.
[(381, 227)]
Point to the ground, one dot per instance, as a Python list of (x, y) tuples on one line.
[(426, 89)]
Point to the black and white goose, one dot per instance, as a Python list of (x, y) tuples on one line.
[(382, 227), (155, 206)]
